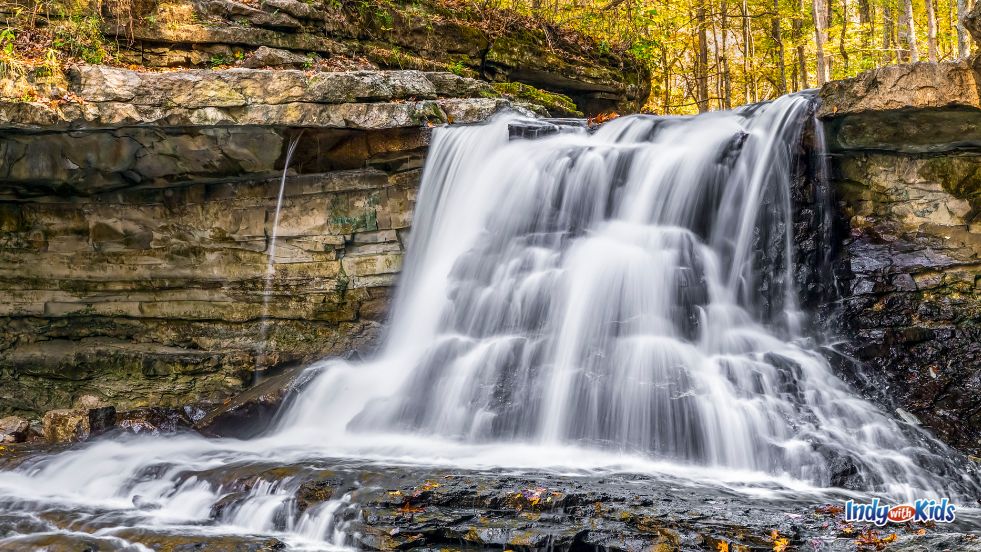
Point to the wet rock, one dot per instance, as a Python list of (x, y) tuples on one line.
[(73, 425), (251, 412), (14, 429), (176, 542), (313, 493), (907, 155), (153, 420)]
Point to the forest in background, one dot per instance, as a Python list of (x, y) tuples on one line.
[(716, 54)]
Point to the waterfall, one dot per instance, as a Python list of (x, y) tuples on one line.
[(271, 254), (628, 290), (617, 300)]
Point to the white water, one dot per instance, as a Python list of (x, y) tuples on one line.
[(615, 301)]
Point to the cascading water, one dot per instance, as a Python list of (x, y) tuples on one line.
[(271, 252), (621, 300)]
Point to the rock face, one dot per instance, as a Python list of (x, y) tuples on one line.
[(370, 34), (907, 171), (107, 97), (136, 226)]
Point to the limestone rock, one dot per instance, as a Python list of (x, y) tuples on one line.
[(113, 97), (259, 18), (14, 429), (274, 57), (185, 34), (74, 425), (911, 86), (90, 402)]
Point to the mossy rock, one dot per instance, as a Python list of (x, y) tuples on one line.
[(556, 104)]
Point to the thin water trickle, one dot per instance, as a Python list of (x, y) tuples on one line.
[(615, 301), (271, 256)]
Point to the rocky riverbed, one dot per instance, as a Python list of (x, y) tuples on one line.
[(383, 506)]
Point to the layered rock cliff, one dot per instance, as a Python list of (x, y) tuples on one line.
[(905, 145), (136, 225), (525, 58)]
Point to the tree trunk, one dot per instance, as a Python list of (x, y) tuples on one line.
[(887, 46), (747, 55), (844, 32), (781, 57), (963, 38), (667, 80), (868, 30), (908, 28), (798, 30), (724, 60), (931, 31), (820, 36), (701, 62)]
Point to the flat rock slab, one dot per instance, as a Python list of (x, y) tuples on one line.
[(109, 97), (909, 86)]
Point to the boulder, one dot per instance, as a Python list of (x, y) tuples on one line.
[(274, 57), (14, 429), (909, 86), (72, 425), (153, 420), (914, 108), (251, 412)]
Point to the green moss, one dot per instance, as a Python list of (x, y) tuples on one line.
[(556, 104)]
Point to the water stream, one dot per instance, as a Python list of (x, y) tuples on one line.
[(589, 302), (271, 253)]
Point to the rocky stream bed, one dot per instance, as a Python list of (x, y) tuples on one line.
[(382, 506)]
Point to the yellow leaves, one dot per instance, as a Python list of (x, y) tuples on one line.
[(780, 544), (870, 540), (830, 509), (408, 508), (429, 485), (536, 498), (602, 118), (722, 546)]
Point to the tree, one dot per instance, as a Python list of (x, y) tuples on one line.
[(887, 35), (931, 31), (701, 65), (800, 67), (908, 31), (820, 37), (844, 32), (712, 54), (963, 39), (779, 54)]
